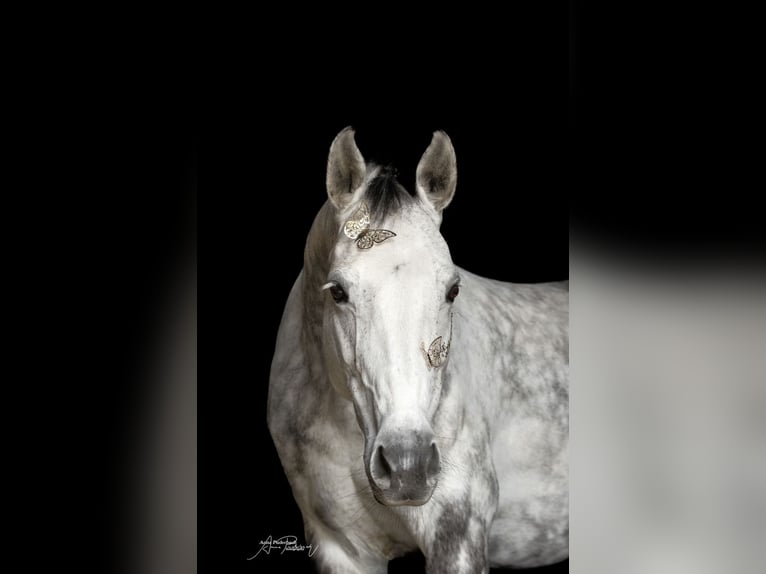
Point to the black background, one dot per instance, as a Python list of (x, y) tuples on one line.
[(507, 109)]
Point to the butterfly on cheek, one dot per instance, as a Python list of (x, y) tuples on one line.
[(438, 349), (358, 227), (437, 352)]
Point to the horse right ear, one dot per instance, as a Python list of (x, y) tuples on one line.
[(436, 176), (345, 169)]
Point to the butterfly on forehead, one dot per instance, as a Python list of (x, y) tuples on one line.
[(358, 227)]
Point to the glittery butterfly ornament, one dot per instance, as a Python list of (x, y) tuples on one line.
[(358, 227), (438, 350)]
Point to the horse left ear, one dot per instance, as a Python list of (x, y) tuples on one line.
[(436, 176), (345, 168)]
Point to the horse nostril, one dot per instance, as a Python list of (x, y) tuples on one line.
[(434, 464), (385, 467), (380, 469)]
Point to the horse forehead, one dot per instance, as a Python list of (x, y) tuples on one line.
[(392, 256), (400, 267)]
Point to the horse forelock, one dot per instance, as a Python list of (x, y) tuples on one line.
[(384, 195)]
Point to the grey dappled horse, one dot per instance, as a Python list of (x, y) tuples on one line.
[(414, 404)]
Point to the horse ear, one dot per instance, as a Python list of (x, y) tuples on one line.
[(436, 176), (345, 168)]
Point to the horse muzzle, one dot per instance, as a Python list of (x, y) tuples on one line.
[(404, 468)]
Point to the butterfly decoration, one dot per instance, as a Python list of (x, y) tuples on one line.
[(438, 350), (358, 227)]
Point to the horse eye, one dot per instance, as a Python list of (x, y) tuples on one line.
[(338, 294), (453, 292)]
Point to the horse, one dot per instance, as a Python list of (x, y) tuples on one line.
[(413, 404)]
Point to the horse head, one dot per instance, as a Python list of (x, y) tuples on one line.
[(388, 303)]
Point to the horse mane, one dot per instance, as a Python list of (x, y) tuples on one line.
[(385, 195)]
